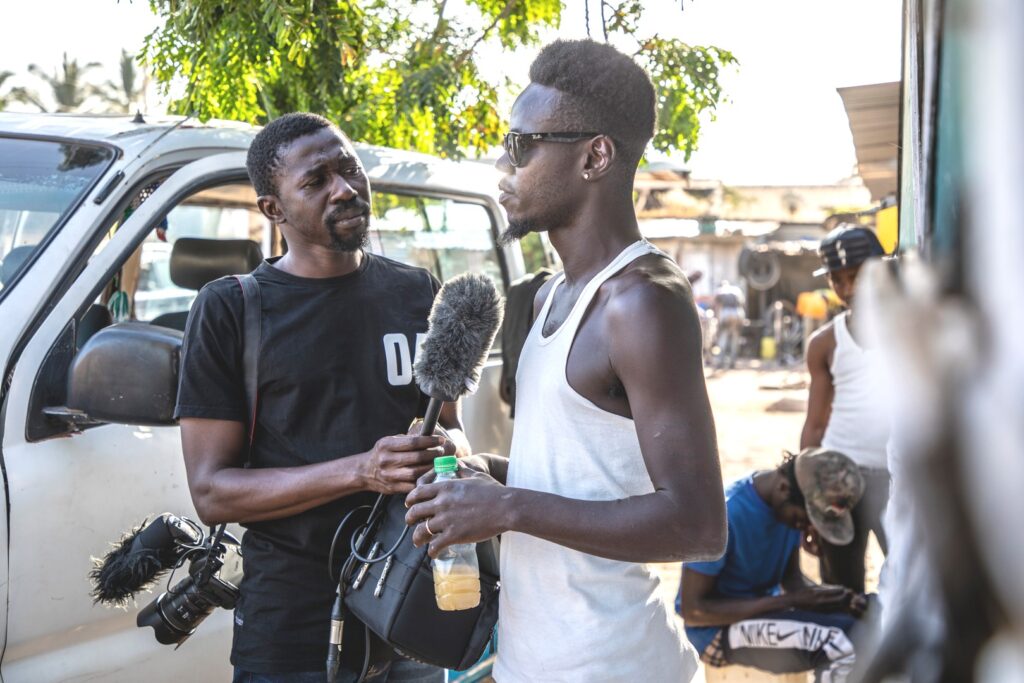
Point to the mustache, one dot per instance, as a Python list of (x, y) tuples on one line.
[(350, 209)]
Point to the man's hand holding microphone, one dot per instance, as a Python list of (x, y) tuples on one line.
[(395, 463)]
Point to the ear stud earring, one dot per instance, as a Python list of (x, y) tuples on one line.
[(586, 176)]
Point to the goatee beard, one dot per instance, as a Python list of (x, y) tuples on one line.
[(353, 242), (517, 229)]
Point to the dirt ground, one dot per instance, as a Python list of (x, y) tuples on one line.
[(759, 413)]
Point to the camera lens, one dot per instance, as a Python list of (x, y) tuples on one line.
[(185, 609), (175, 615)]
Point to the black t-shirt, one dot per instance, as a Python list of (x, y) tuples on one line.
[(335, 375)]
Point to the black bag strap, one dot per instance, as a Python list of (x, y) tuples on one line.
[(251, 345)]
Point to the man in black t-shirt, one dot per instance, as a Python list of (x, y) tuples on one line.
[(340, 329)]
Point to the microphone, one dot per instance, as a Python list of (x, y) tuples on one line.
[(463, 322), (141, 554)]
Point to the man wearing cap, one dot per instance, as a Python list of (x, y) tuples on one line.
[(844, 410), (753, 606)]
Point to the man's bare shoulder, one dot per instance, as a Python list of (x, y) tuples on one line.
[(648, 313), (652, 282), (822, 345), (823, 338)]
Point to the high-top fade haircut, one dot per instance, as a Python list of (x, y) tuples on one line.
[(263, 160), (604, 91)]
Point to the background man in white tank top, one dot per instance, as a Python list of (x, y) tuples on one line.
[(614, 461), (845, 410)]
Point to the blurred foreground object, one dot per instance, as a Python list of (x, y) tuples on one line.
[(952, 590)]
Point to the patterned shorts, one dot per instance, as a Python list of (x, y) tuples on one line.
[(714, 653)]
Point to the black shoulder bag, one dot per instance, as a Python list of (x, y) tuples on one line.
[(386, 584)]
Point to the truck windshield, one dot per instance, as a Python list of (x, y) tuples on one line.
[(41, 182)]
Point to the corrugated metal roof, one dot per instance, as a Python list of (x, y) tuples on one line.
[(874, 113)]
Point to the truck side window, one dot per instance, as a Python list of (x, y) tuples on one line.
[(222, 212), (445, 236)]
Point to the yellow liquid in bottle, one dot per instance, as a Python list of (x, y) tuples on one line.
[(456, 587)]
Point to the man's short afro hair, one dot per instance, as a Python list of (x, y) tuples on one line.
[(788, 470), (263, 161), (608, 92)]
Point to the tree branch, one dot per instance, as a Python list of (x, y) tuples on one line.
[(643, 45), (440, 21), (505, 11)]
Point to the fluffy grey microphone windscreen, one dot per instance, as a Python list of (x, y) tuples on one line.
[(463, 321)]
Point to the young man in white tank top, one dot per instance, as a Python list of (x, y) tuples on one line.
[(614, 462), (845, 411)]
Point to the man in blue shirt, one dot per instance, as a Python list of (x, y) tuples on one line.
[(753, 606)]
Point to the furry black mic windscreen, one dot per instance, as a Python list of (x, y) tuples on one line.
[(463, 321), (136, 560)]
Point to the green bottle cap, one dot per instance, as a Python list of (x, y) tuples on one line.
[(446, 463)]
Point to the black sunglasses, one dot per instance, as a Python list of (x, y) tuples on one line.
[(515, 142)]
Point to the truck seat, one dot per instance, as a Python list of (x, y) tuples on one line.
[(196, 261)]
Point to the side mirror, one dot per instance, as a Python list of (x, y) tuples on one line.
[(127, 374)]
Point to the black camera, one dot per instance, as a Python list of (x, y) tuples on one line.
[(167, 543)]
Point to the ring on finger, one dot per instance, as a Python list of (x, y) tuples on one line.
[(426, 524)]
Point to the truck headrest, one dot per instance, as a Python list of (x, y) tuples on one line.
[(195, 261), (13, 262)]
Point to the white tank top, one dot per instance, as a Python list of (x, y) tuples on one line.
[(565, 615), (858, 426)]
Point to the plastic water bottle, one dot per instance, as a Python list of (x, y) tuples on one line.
[(456, 571)]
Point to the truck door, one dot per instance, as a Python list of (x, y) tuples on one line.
[(72, 492)]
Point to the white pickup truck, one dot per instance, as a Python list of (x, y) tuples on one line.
[(91, 210)]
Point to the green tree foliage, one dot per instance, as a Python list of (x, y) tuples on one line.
[(128, 90), (686, 80), (401, 73)]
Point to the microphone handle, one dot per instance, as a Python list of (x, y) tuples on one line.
[(430, 419)]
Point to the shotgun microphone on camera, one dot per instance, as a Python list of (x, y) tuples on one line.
[(140, 556), (462, 325), (165, 544)]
